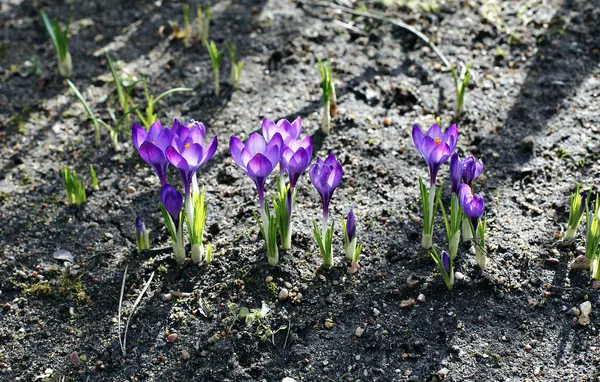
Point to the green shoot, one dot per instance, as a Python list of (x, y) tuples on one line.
[(151, 101), (187, 28), (196, 228), (94, 178), (215, 59), (122, 94), (236, 67), (592, 244), (113, 132), (74, 186), (329, 96), (60, 40), (203, 24), (578, 204), (88, 110), (461, 84), (447, 274), (325, 241)]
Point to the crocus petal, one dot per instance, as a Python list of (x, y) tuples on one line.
[(210, 150), (330, 161), (434, 132), (163, 140), (193, 155), (176, 159), (155, 129), (440, 154), (350, 225), (260, 167), (296, 128), (446, 261), (256, 143), (197, 135), (139, 225), (235, 148), (176, 128), (138, 136), (456, 172), (268, 128), (417, 136), (172, 200), (335, 178), (296, 165), (451, 137), (427, 146)]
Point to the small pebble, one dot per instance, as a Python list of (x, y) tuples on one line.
[(443, 372), (407, 303), (412, 281), (283, 294), (172, 337), (185, 355), (167, 297), (421, 298), (528, 347), (573, 312), (288, 285), (359, 332), (269, 279), (459, 276), (204, 353), (329, 323), (74, 358), (376, 312), (387, 122)]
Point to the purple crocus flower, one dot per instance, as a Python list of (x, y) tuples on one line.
[(435, 147), (583, 202), (350, 225), (471, 169), (172, 200), (296, 157), (456, 172), (472, 204), (446, 261), (326, 176), (182, 129), (151, 145), (283, 127), (140, 228), (189, 153), (257, 158)]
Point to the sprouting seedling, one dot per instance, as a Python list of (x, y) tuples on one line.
[(578, 206), (123, 94), (236, 66), (187, 27), (74, 186), (329, 98), (94, 179), (112, 131), (461, 84), (88, 110), (592, 244), (258, 317), (203, 24), (151, 101), (215, 59), (60, 40)]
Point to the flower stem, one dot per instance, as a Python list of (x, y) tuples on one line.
[(570, 234), (467, 230)]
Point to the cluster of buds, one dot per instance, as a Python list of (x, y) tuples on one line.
[(467, 208), (184, 147)]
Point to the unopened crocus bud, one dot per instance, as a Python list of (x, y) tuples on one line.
[(472, 168), (350, 240), (446, 261), (141, 235), (456, 172)]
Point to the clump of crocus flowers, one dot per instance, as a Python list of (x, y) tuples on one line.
[(466, 207), (184, 147), (281, 143)]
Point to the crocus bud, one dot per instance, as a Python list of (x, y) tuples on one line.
[(141, 235), (471, 169), (446, 261), (456, 172), (172, 200), (472, 204), (350, 240)]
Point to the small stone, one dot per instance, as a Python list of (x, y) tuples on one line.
[(130, 190), (269, 279), (74, 358), (573, 312), (528, 347), (421, 298), (108, 235), (586, 310), (552, 261), (98, 38), (581, 262), (298, 297), (376, 312), (412, 281), (387, 122), (167, 297), (172, 337), (443, 372), (329, 323), (407, 303), (63, 255), (359, 332), (405, 355), (204, 353), (6, 307), (459, 276), (352, 270), (414, 218), (185, 355), (283, 294), (595, 284), (288, 379), (214, 338), (288, 285)]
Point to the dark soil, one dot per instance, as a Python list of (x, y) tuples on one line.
[(532, 114)]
